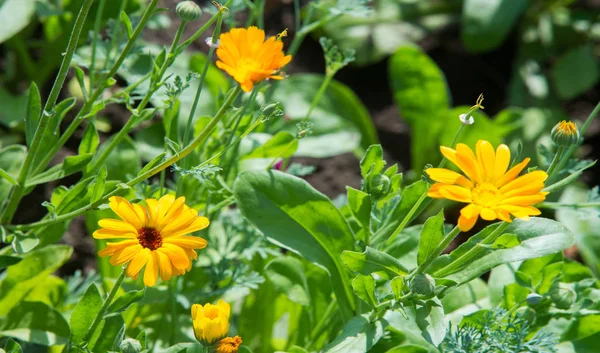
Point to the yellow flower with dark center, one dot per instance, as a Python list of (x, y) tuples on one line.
[(211, 322), (155, 237), (491, 191), (248, 58), (229, 344)]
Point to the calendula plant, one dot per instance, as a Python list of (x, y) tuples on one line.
[(178, 169)]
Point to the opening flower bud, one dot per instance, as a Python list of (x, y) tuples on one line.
[(188, 11), (129, 345), (422, 284), (379, 186), (565, 133)]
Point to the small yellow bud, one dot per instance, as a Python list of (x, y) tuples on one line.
[(565, 133), (211, 322), (229, 344)]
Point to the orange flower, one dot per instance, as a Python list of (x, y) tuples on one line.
[(155, 237), (229, 344), (491, 191), (248, 58)]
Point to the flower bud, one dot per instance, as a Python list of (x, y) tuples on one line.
[(211, 322), (565, 133), (562, 297), (379, 186), (229, 345), (466, 119), (129, 345), (188, 11), (533, 299), (422, 284)]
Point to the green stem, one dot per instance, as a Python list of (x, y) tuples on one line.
[(201, 30), (103, 309), (98, 91), (92, 69), (319, 94), (436, 252), (297, 15), (558, 205), (555, 160), (153, 171), (18, 190), (116, 32), (260, 15), (472, 253), (281, 154), (214, 40), (173, 307), (318, 329), (411, 214)]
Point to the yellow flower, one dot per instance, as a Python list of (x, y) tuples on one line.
[(248, 58), (229, 344), (491, 191), (211, 322), (155, 237)]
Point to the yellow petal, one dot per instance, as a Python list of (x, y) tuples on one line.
[(447, 176), (125, 210), (103, 233), (138, 262), (187, 242), (502, 162), (512, 173), (176, 208), (527, 200), (125, 255), (535, 177), (117, 225), (470, 211), (224, 308), (468, 163), (151, 271), (455, 192), (466, 224), (486, 159), (177, 255), (488, 214), (112, 248), (166, 270)]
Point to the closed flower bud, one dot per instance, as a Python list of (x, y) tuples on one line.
[(562, 297), (533, 298), (188, 11), (129, 345), (211, 322), (379, 186), (422, 284), (565, 133), (229, 344)]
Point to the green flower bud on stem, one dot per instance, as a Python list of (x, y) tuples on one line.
[(188, 11), (379, 186), (129, 345), (562, 297), (422, 284), (565, 133)]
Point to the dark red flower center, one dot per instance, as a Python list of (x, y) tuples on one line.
[(149, 238)]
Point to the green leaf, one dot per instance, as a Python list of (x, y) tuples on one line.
[(36, 323), (22, 277), (84, 313), (74, 197), (11, 159), (15, 15), (103, 339), (314, 227), (397, 284), (473, 293), (99, 184), (506, 241), (420, 91), (287, 275), (282, 145), (6, 260), (4, 174), (52, 133), (71, 165), (372, 260), (486, 23), (90, 140), (359, 336), (364, 288), (432, 322), (575, 72), (372, 162), (12, 347), (408, 349), (124, 301), (431, 236), (568, 180), (539, 237), (360, 205), (34, 109), (341, 122), (126, 23), (152, 163)]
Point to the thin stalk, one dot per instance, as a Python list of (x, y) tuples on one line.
[(201, 30), (92, 70), (281, 154), (327, 316), (260, 16), (17, 191), (558, 205), (215, 38), (98, 91), (153, 171), (103, 309), (173, 307), (319, 94), (409, 216), (116, 32), (555, 161), (297, 15), (436, 252), (473, 252)]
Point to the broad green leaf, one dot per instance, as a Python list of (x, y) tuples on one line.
[(539, 237), (420, 91), (71, 165), (314, 227), (11, 159), (6, 260), (103, 339), (341, 122), (432, 322), (36, 323), (372, 260), (575, 72), (25, 275), (360, 205), (84, 313), (431, 236), (582, 327), (90, 140), (364, 288), (282, 145), (287, 275), (51, 291), (506, 241), (486, 23), (34, 109), (15, 15), (359, 336), (514, 294), (397, 284)]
